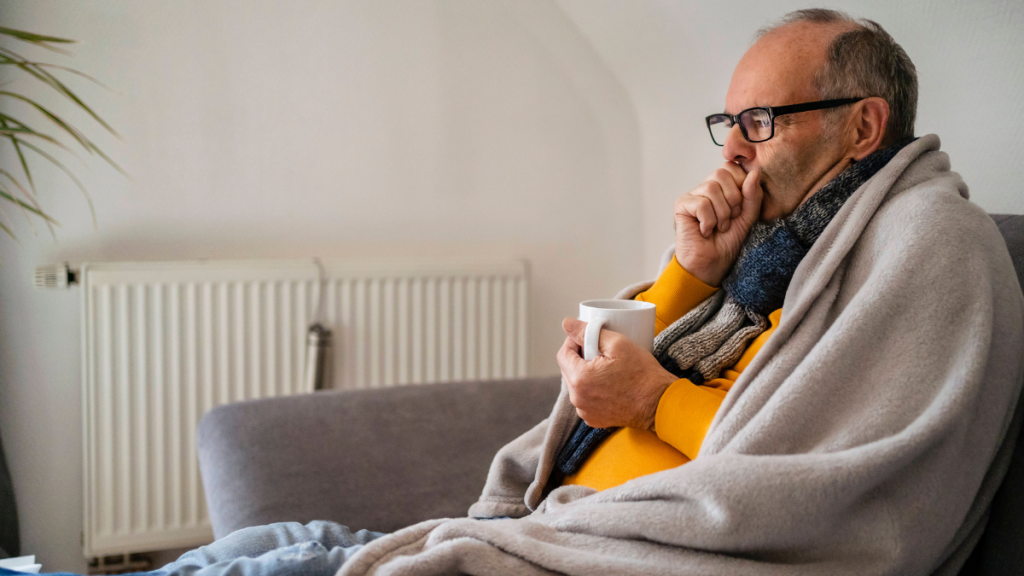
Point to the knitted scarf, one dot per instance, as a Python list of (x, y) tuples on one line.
[(713, 336)]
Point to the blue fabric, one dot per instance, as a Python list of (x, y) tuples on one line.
[(284, 549), (761, 279), (582, 442)]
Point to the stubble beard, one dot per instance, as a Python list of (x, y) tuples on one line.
[(788, 177)]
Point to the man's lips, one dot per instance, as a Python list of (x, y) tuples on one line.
[(763, 176)]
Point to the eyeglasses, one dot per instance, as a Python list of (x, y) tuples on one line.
[(758, 124)]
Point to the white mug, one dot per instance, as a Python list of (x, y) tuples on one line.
[(631, 318)]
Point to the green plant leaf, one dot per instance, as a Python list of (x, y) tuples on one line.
[(3, 213), (28, 174), (22, 128), (24, 214), (35, 208), (33, 37), (8, 131), (57, 85), (79, 137), (70, 174), (40, 40), (8, 231), (109, 160), (18, 133), (18, 185), (7, 195), (21, 156), (24, 163), (9, 61)]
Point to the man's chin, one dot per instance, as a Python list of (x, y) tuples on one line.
[(769, 211)]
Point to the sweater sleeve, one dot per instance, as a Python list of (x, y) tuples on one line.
[(684, 415), (685, 410), (674, 293)]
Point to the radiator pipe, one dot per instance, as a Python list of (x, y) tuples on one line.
[(318, 340), (318, 357)]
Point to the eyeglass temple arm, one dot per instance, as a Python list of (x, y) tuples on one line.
[(794, 108)]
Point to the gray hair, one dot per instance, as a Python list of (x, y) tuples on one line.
[(865, 61)]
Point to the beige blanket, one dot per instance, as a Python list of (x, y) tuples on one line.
[(866, 437)]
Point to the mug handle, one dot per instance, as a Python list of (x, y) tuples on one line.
[(591, 337)]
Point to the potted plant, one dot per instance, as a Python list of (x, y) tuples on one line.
[(17, 189)]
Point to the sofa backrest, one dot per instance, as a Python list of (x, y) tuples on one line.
[(1012, 227), (1001, 548)]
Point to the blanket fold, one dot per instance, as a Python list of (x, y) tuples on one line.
[(867, 436)]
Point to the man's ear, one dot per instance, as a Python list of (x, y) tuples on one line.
[(869, 121)]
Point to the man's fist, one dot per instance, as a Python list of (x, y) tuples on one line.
[(713, 220), (621, 387)]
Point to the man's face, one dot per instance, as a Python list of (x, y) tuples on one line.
[(805, 153)]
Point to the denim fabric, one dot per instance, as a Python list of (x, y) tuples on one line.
[(284, 549)]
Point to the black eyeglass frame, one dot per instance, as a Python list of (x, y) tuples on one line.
[(774, 111)]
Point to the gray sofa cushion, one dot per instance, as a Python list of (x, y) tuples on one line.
[(380, 459)]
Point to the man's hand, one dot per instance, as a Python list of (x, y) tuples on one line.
[(713, 220), (621, 387)]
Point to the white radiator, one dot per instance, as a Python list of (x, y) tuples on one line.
[(164, 342)]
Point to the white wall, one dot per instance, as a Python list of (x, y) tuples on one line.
[(301, 128), (676, 58), (560, 131)]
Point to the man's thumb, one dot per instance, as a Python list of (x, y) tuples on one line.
[(574, 329), (752, 196)]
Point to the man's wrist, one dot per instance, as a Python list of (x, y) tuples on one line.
[(712, 276), (651, 420)]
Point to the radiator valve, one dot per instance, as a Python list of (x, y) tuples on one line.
[(55, 276)]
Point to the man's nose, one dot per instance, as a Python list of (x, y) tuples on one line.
[(736, 146)]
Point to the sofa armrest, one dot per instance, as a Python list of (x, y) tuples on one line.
[(380, 459)]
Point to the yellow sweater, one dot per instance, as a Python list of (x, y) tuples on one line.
[(685, 410)]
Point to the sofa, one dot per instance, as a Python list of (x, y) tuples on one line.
[(386, 458)]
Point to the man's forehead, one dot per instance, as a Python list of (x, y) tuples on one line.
[(779, 68)]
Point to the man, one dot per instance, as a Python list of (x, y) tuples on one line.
[(834, 376), (776, 160)]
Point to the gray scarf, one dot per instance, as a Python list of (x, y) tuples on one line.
[(713, 336)]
